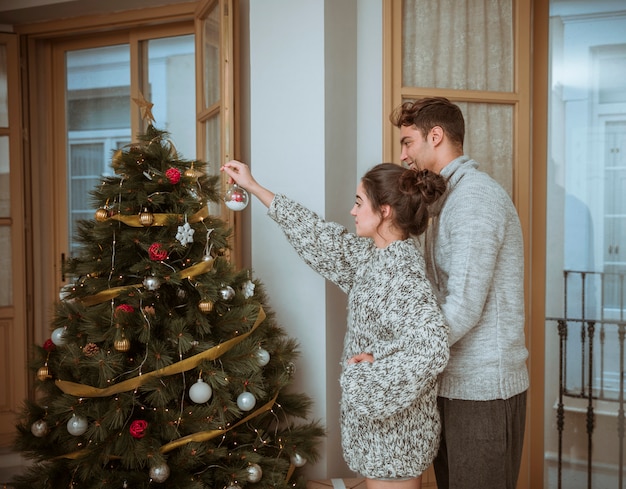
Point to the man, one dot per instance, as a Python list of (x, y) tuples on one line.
[(474, 256)]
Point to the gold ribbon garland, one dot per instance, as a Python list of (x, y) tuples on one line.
[(200, 436), (159, 219), (108, 294), (81, 390), (209, 435)]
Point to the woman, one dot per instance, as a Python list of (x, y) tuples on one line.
[(396, 341)]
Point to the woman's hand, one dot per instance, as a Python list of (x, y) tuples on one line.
[(240, 174), (361, 357)]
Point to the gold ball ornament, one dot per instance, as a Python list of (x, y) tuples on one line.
[(192, 173), (122, 344), (146, 218), (116, 161), (205, 306), (102, 214), (43, 373)]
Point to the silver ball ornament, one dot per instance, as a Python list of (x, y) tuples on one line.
[(298, 460), (39, 428), (58, 337), (200, 392), (209, 260), (254, 473), (227, 293), (246, 401), (77, 425), (159, 473), (151, 283), (65, 291), (262, 357)]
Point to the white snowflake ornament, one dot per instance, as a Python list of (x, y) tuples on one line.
[(185, 234), (248, 289)]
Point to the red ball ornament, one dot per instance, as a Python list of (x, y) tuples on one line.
[(124, 308), (173, 175), (49, 345), (157, 252), (138, 428)]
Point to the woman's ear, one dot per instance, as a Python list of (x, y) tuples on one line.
[(385, 211)]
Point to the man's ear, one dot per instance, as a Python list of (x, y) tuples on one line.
[(436, 135)]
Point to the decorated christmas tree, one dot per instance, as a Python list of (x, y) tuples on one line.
[(165, 366)]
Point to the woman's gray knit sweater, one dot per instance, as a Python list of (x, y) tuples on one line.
[(389, 420)]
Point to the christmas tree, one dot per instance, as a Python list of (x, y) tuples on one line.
[(165, 366)]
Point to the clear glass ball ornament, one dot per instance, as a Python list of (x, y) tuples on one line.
[(236, 198)]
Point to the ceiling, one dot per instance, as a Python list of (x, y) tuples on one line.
[(16, 12)]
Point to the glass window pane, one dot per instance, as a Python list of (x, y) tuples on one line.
[(611, 76), (585, 237), (490, 123), (211, 57), (4, 107), (172, 81), (6, 265), (460, 45), (98, 115), (5, 177)]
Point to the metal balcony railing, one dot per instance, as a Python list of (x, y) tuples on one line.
[(591, 337)]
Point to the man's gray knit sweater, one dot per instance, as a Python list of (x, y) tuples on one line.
[(389, 420), (475, 259)]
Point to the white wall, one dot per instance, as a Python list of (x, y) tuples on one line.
[(315, 121)]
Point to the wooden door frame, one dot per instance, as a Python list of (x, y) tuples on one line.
[(530, 99), (14, 316)]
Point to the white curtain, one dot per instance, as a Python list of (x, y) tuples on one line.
[(466, 45)]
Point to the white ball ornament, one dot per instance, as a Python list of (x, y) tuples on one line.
[(39, 428), (159, 473), (262, 357), (58, 337), (298, 460), (254, 473), (200, 392), (77, 425), (246, 401)]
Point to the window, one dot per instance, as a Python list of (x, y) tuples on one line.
[(84, 76)]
